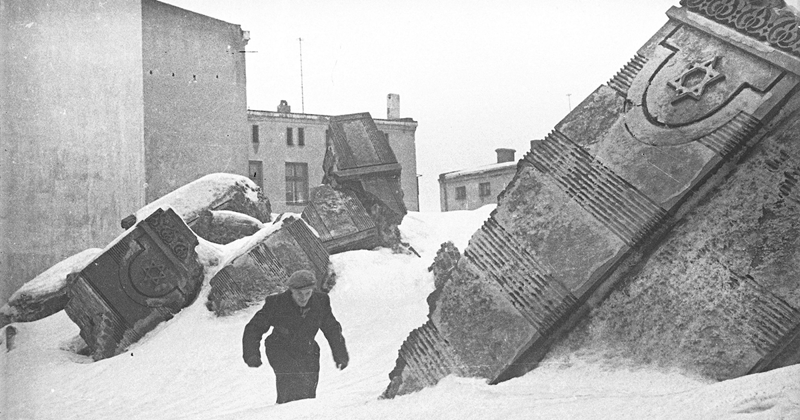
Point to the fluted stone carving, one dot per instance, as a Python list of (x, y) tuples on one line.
[(600, 202)]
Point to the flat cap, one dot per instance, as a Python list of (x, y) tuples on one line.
[(301, 279)]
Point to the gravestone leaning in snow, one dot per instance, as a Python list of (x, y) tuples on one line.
[(144, 278), (597, 200), (265, 266), (359, 159), (340, 220)]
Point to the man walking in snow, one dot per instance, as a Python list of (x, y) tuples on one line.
[(295, 317)]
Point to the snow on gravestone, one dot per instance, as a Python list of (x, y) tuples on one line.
[(143, 278), (225, 226), (359, 159), (340, 220), (263, 268), (214, 192), (46, 293), (598, 196)]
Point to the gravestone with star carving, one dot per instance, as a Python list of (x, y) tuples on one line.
[(674, 186), (141, 279)]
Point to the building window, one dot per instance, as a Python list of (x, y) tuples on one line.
[(484, 189), (255, 172), (301, 136), (461, 193), (255, 133), (289, 139), (296, 183)]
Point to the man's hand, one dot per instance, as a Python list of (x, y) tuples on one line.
[(253, 362)]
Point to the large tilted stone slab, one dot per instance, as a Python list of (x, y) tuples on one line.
[(214, 192), (359, 159), (720, 297), (264, 268), (143, 278), (602, 193), (340, 220)]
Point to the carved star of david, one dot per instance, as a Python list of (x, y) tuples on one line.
[(154, 273), (683, 84)]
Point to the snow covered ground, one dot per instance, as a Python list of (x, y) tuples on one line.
[(191, 366)]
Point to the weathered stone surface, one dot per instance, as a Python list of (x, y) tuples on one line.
[(212, 192), (720, 297), (46, 293), (143, 278), (264, 268), (359, 159), (224, 226), (340, 220), (596, 202)]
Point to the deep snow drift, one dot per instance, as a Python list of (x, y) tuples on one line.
[(191, 366)]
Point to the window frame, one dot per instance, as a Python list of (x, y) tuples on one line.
[(301, 136), (289, 137), (484, 192), (260, 178), (254, 133), (461, 193), (295, 195)]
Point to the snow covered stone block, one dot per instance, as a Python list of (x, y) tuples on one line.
[(340, 220), (141, 279), (263, 268), (593, 201), (46, 293), (225, 226), (359, 159), (212, 192)]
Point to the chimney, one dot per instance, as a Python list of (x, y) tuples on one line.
[(505, 155), (392, 106), (284, 107)]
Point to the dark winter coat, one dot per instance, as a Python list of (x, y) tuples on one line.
[(291, 349)]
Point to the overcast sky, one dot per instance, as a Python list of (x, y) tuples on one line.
[(476, 75)]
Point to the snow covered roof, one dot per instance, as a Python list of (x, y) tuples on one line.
[(495, 167)]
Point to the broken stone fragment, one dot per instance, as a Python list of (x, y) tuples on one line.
[(212, 192), (141, 279), (263, 268), (46, 293)]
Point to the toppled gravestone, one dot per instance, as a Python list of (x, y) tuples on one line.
[(143, 278), (598, 200), (214, 192), (340, 220), (264, 267), (46, 293), (359, 159)]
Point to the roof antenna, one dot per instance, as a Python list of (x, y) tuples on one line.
[(302, 98)]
